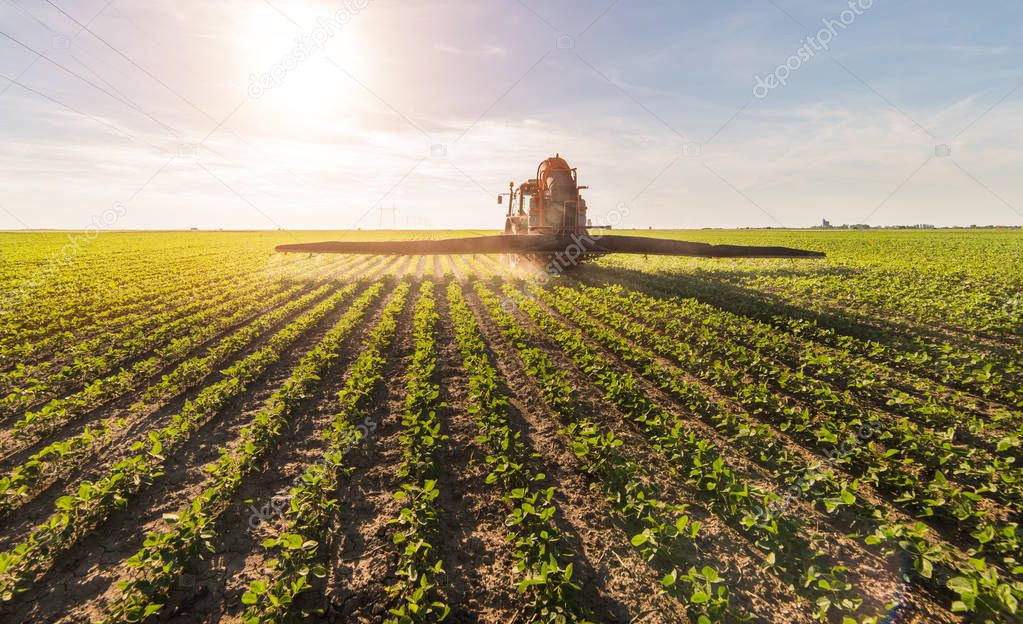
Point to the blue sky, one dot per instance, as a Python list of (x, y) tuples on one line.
[(909, 115)]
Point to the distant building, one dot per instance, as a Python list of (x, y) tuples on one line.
[(825, 224)]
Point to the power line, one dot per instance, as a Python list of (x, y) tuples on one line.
[(82, 78), (80, 112), (91, 84), (80, 61), (127, 102), (133, 63), (14, 216), (124, 98), (85, 66), (82, 50), (28, 13), (100, 77), (36, 59), (119, 130), (389, 191), (166, 86)]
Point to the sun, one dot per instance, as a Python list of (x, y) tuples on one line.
[(297, 58)]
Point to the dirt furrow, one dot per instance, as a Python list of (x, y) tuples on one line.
[(360, 556), (479, 583)]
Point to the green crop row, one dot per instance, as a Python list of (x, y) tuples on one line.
[(312, 502), (542, 557), (420, 442), (38, 423)]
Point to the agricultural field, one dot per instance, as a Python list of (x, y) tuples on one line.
[(196, 429)]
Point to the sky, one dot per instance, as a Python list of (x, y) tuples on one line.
[(292, 114)]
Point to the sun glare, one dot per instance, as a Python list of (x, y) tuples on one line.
[(297, 56)]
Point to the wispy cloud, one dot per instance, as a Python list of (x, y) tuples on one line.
[(489, 50)]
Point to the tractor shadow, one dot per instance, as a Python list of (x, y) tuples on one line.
[(721, 290)]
